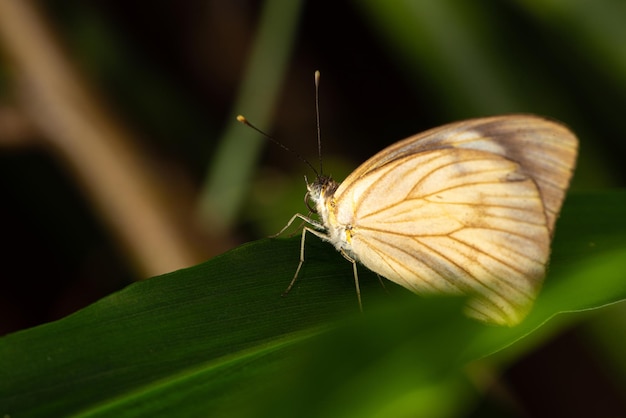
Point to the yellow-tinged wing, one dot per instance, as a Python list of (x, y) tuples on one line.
[(545, 150), (466, 208)]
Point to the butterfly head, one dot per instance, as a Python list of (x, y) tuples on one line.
[(319, 195)]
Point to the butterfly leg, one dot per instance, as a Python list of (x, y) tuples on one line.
[(356, 277), (356, 285), (380, 280), (298, 216), (304, 231), (323, 236)]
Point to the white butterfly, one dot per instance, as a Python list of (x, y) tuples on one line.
[(466, 208)]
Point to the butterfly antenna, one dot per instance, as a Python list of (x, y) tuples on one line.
[(317, 119), (242, 119)]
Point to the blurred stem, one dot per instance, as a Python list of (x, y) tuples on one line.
[(229, 174), (103, 157), (16, 129)]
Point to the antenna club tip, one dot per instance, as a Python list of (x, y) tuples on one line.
[(317, 76), (242, 119)]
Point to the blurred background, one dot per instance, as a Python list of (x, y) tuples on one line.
[(120, 156)]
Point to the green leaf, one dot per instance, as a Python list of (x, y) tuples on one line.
[(217, 339)]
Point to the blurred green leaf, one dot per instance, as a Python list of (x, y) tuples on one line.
[(455, 45), (230, 172), (597, 29), (218, 340)]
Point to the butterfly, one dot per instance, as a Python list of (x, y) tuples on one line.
[(468, 208)]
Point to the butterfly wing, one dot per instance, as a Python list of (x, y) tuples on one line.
[(453, 210), (545, 150)]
